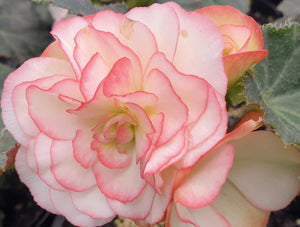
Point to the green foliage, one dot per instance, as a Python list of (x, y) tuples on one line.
[(276, 86), (242, 5), (83, 7), (23, 29), (188, 5), (136, 3)]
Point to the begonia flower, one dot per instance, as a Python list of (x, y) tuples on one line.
[(111, 110), (243, 40)]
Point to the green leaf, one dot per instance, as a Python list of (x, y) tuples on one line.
[(83, 7), (188, 5), (138, 3), (6, 139), (276, 85), (243, 5), (23, 31)]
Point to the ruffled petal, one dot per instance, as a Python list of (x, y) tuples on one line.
[(186, 86), (168, 101), (163, 23), (65, 32), (129, 33), (94, 72), (126, 185), (137, 209), (266, 171), (66, 170), (37, 187), (63, 203), (92, 203), (31, 70), (50, 114), (204, 182), (208, 131), (200, 53)]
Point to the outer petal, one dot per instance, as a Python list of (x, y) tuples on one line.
[(132, 184), (204, 182), (32, 69), (205, 217), (129, 33), (208, 130), (237, 210), (265, 171), (50, 114), (63, 202), (163, 23), (137, 209), (168, 100), (42, 149), (37, 187), (92, 75), (92, 203), (66, 170), (236, 64), (90, 41), (200, 53), (186, 86), (229, 15), (65, 32)]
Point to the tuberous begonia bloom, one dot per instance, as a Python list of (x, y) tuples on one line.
[(265, 176), (111, 110), (243, 40)]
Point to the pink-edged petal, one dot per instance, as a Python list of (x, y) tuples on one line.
[(239, 34), (92, 203), (200, 53), (203, 217), (21, 106), (65, 32), (161, 201), (31, 162), (162, 156), (119, 80), (230, 15), (185, 86), (143, 130), (66, 170), (31, 70), (138, 208), (90, 41), (54, 51), (236, 64), (42, 156), (266, 171), (50, 114), (208, 130), (112, 157), (62, 201), (94, 72), (206, 178), (37, 187), (163, 23), (237, 210), (68, 88), (168, 101), (129, 33), (124, 185), (82, 150)]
